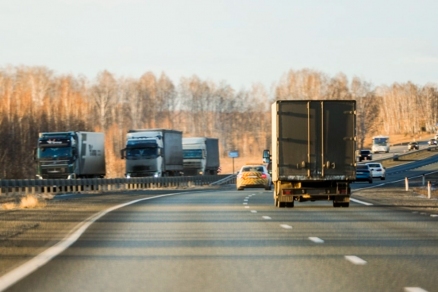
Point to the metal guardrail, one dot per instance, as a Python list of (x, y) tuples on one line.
[(231, 179), (54, 186)]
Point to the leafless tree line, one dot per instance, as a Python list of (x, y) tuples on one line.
[(35, 99)]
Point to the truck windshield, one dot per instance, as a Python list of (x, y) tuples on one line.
[(139, 153), (192, 154), (380, 141), (54, 152)]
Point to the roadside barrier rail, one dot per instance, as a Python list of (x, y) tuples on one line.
[(54, 186)]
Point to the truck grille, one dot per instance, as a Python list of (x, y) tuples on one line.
[(140, 168), (192, 164), (49, 163)]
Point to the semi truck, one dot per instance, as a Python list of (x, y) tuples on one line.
[(70, 155), (313, 151), (200, 156), (153, 152)]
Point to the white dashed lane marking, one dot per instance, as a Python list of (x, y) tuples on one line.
[(253, 211), (316, 239), (285, 226), (266, 217), (355, 260)]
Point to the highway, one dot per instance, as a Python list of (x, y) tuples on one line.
[(228, 240)]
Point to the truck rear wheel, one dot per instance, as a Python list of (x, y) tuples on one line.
[(343, 204), (281, 204)]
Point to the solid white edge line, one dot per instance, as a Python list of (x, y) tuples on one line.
[(355, 260), (43, 258), (360, 202)]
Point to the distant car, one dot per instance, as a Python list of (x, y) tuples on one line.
[(363, 173), (413, 146), (432, 142), (253, 176), (364, 155), (377, 170)]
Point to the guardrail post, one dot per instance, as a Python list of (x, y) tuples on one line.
[(406, 184), (428, 190), (424, 179)]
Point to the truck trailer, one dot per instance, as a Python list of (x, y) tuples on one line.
[(69, 155), (200, 156), (153, 152), (313, 151)]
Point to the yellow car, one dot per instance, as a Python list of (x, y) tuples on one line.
[(253, 176)]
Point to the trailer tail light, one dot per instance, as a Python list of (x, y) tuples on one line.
[(287, 192)]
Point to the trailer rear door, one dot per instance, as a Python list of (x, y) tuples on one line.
[(316, 139)]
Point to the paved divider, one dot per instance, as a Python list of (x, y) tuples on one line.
[(54, 186)]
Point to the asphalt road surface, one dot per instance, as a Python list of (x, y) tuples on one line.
[(230, 240)]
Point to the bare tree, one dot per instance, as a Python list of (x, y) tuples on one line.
[(104, 95)]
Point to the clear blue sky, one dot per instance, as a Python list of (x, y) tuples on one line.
[(237, 41)]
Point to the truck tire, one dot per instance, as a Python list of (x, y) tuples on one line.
[(289, 204), (342, 204)]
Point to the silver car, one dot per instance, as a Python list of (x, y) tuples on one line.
[(377, 170)]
